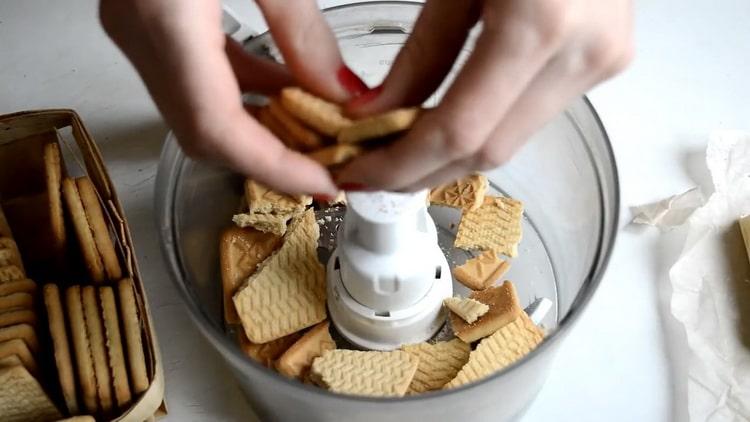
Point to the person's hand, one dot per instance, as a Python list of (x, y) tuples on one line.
[(531, 59), (195, 75)]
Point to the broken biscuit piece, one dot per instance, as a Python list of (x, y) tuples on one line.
[(378, 374), (263, 200), (481, 272), (468, 309), (296, 361), (495, 226), (274, 224), (438, 363), (504, 308), (378, 126), (321, 115), (466, 193)]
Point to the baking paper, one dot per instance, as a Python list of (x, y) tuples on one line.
[(711, 288), (670, 212)]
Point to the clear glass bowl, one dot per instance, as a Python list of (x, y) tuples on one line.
[(566, 176)]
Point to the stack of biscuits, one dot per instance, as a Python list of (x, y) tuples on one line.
[(274, 285), (78, 350)]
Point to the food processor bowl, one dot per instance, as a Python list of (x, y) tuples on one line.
[(565, 175)]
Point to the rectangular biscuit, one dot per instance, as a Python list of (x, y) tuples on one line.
[(94, 329), (296, 361), (16, 301), (86, 242), (495, 226), (115, 354), (131, 325), (325, 117), (287, 293), (335, 155), (82, 348), (22, 398), (23, 285), (377, 374), (438, 363), (24, 332), (302, 138), (240, 252), (466, 193), (53, 179), (99, 228), (482, 271), (504, 308), (60, 345), (378, 126), (501, 349), (17, 316)]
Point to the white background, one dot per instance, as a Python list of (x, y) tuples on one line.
[(623, 360)]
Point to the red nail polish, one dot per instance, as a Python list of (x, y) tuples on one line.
[(321, 197), (350, 81), (366, 97), (352, 187)]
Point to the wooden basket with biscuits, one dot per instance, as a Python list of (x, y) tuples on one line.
[(76, 336)]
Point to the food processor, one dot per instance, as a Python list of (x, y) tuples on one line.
[(389, 256)]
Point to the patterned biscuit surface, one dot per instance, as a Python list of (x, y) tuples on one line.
[(22, 398), (482, 271), (468, 309), (319, 114), (287, 293), (365, 373), (438, 363), (495, 226), (466, 193), (505, 346), (240, 252), (262, 199), (9, 253), (378, 126), (10, 273), (296, 361), (504, 308)]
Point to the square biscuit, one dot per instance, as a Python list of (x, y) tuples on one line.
[(495, 226)]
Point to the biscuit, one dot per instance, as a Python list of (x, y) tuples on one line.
[(9, 253), (296, 361), (302, 138), (335, 154), (114, 347), (60, 345), (504, 308), (86, 241), (8, 361), (468, 309), (16, 301), (378, 126), (503, 348), (495, 226), (82, 348), (287, 293), (379, 374), (265, 353), (466, 193), (94, 329), (10, 273), (17, 316), (270, 122), (325, 117), (22, 398), (263, 200), (482, 271), (240, 252), (24, 332), (745, 229), (84, 418), (438, 363), (19, 348), (99, 229), (131, 326), (23, 285), (4, 226), (270, 223), (53, 177)]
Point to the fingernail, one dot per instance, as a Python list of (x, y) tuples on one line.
[(352, 187), (350, 81), (366, 97), (322, 197)]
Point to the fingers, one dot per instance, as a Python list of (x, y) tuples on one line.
[(425, 59), (256, 74), (506, 57), (310, 49)]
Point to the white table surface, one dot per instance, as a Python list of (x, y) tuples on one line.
[(623, 361)]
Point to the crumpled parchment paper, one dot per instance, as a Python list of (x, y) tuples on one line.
[(711, 288), (670, 212)]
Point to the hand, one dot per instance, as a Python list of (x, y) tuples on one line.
[(195, 75), (531, 59)]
